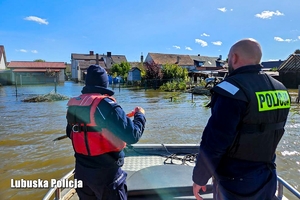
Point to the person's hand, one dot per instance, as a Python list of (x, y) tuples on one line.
[(196, 189), (139, 109)]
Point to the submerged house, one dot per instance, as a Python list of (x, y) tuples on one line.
[(30, 72), (197, 65), (206, 66), (80, 63), (289, 71), (161, 59)]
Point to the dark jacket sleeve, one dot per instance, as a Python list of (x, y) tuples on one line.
[(116, 121), (217, 136), (68, 130)]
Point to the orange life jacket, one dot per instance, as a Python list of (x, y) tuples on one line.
[(87, 137)]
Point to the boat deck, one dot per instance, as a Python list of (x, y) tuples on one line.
[(158, 172), (165, 173)]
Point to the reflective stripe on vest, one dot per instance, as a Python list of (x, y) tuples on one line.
[(272, 100), (90, 142)]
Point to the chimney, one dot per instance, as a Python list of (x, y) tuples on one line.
[(198, 54), (220, 57), (178, 58), (91, 53), (142, 58), (97, 59), (108, 54)]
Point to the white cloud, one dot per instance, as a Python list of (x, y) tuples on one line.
[(268, 14), (36, 19), (299, 37), (231, 9), (204, 34), (188, 48), (201, 42), (273, 59), (279, 39), (34, 51), (176, 47), (222, 9), (22, 50), (218, 43)]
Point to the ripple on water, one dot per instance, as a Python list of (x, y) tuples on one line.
[(290, 153)]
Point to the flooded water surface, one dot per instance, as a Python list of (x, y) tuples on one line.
[(27, 131)]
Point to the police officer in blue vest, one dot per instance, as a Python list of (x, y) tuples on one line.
[(99, 130), (249, 110)]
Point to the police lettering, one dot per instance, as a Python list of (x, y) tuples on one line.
[(272, 100)]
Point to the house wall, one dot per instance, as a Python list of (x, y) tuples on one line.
[(129, 77), (34, 78), (2, 63), (290, 79), (74, 71), (5, 77), (148, 59), (134, 75), (61, 76)]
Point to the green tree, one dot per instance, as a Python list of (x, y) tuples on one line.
[(121, 69), (153, 71), (143, 71), (297, 51), (173, 71), (39, 60)]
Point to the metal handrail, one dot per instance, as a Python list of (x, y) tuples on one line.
[(282, 183), (57, 190)]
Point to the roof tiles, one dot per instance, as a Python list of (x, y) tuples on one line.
[(291, 64), (162, 59), (36, 65)]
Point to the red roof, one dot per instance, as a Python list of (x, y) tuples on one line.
[(34, 70), (36, 65)]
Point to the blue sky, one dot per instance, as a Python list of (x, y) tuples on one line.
[(53, 29)]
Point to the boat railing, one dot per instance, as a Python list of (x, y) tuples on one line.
[(283, 184), (57, 190)]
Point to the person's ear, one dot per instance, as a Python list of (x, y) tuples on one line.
[(235, 58)]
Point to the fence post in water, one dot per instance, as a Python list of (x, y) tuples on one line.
[(297, 99), (192, 97), (55, 84), (16, 87)]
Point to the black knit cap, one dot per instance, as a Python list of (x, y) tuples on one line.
[(96, 76)]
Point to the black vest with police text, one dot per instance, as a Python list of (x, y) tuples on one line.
[(262, 126)]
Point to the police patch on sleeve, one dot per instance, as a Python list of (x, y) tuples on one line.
[(232, 89)]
